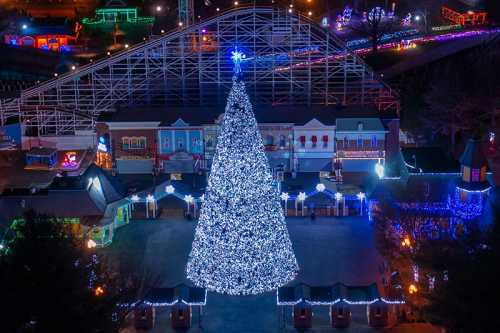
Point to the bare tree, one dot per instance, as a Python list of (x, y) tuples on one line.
[(375, 26)]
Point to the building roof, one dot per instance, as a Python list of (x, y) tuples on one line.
[(197, 116), (473, 155), (328, 294), (353, 124), (70, 204), (94, 194), (42, 151), (190, 295)]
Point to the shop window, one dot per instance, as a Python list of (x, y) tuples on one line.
[(302, 141), (346, 142), (360, 142), (209, 141), (142, 142), (325, 141), (269, 140), (133, 143), (282, 141), (166, 143), (125, 143), (374, 141)]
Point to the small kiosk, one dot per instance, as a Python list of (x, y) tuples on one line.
[(181, 299), (340, 298), (299, 298), (180, 315), (302, 315), (340, 315), (378, 314), (144, 317)]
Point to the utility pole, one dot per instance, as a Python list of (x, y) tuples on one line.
[(186, 13)]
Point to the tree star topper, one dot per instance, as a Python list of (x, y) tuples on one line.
[(237, 57)]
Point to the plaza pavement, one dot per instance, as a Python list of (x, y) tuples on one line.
[(328, 250)]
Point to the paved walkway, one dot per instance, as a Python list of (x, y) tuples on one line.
[(328, 250)]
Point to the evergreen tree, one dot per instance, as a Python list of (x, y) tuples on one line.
[(50, 282), (241, 244)]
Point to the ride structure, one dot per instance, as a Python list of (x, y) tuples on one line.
[(291, 60)]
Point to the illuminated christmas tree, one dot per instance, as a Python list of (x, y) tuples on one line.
[(241, 244)]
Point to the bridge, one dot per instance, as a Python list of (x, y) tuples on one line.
[(294, 62)]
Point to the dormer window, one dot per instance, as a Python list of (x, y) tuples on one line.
[(282, 141), (269, 140)]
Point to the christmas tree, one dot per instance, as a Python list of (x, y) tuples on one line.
[(241, 244)]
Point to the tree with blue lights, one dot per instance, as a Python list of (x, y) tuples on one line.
[(241, 244)]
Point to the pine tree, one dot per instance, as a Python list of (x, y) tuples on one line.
[(241, 243)]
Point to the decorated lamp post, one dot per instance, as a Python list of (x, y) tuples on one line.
[(150, 204), (189, 201), (338, 198), (284, 197), (380, 169), (135, 199), (300, 199), (361, 196)]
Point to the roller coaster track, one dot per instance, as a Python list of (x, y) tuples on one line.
[(179, 68)]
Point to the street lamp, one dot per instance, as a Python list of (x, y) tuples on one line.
[(361, 196), (421, 15), (284, 197)]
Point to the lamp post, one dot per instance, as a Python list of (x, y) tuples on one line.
[(301, 198), (134, 198), (189, 200), (284, 197), (361, 196), (150, 200), (338, 197), (421, 15)]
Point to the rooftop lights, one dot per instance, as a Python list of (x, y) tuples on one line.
[(169, 189), (320, 187)]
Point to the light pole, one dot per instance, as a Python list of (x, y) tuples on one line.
[(284, 197), (421, 15)]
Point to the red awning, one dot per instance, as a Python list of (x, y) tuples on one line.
[(314, 138)]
